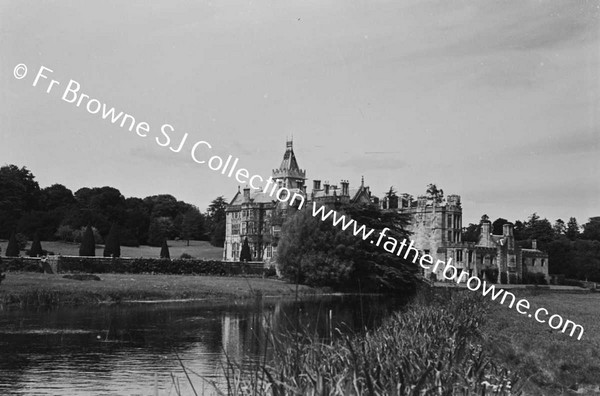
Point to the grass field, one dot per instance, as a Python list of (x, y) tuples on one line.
[(553, 361), (197, 249), (52, 289)]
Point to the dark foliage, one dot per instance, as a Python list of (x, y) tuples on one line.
[(36, 247), (12, 250), (245, 253), (88, 243), (150, 266), (164, 250), (316, 253), (215, 217), (112, 245)]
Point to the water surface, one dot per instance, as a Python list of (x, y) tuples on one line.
[(136, 349)]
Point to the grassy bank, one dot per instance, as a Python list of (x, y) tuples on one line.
[(552, 361), (433, 347), (32, 289)]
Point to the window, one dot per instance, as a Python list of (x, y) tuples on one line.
[(235, 229), (533, 262), (269, 251), (459, 255), (426, 251), (543, 262)]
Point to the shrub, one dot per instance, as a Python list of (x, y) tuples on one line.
[(271, 272), (491, 275), (573, 282), (534, 278), (88, 243), (512, 279), (164, 250), (503, 278), (185, 256), (36, 247), (153, 265), (12, 250), (112, 248)]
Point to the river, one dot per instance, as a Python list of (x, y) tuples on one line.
[(140, 349)]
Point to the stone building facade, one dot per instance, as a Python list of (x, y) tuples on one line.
[(436, 226), (257, 216)]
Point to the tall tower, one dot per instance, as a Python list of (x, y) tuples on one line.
[(289, 174)]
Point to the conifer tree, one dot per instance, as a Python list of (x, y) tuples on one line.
[(245, 253), (88, 243), (12, 250), (164, 250), (36, 247), (112, 246)]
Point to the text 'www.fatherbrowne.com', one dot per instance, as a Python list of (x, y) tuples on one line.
[(473, 283)]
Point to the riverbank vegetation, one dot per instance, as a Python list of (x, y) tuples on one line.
[(34, 289), (435, 346)]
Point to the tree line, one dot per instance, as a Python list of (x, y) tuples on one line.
[(29, 212)]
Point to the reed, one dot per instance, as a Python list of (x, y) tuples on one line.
[(431, 348)]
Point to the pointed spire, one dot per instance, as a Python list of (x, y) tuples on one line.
[(362, 181)]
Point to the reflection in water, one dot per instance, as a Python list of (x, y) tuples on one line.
[(126, 349)]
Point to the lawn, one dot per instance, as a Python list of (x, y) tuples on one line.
[(552, 361), (197, 249), (53, 289)]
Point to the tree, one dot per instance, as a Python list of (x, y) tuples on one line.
[(36, 247), (559, 228), (471, 233), (12, 250), (572, 229), (88, 243), (591, 229), (317, 253), (216, 219), (435, 193), (164, 250), (519, 230), (192, 225), (245, 254), (161, 228), (497, 226), (19, 194), (112, 246)]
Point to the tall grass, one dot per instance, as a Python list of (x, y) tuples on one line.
[(431, 348)]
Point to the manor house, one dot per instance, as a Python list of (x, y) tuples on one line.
[(436, 225), (257, 216)]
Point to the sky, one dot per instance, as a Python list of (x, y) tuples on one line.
[(496, 101)]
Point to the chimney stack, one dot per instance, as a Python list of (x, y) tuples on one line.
[(246, 194), (345, 190), (507, 229), (326, 186), (484, 238), (316, 185)]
